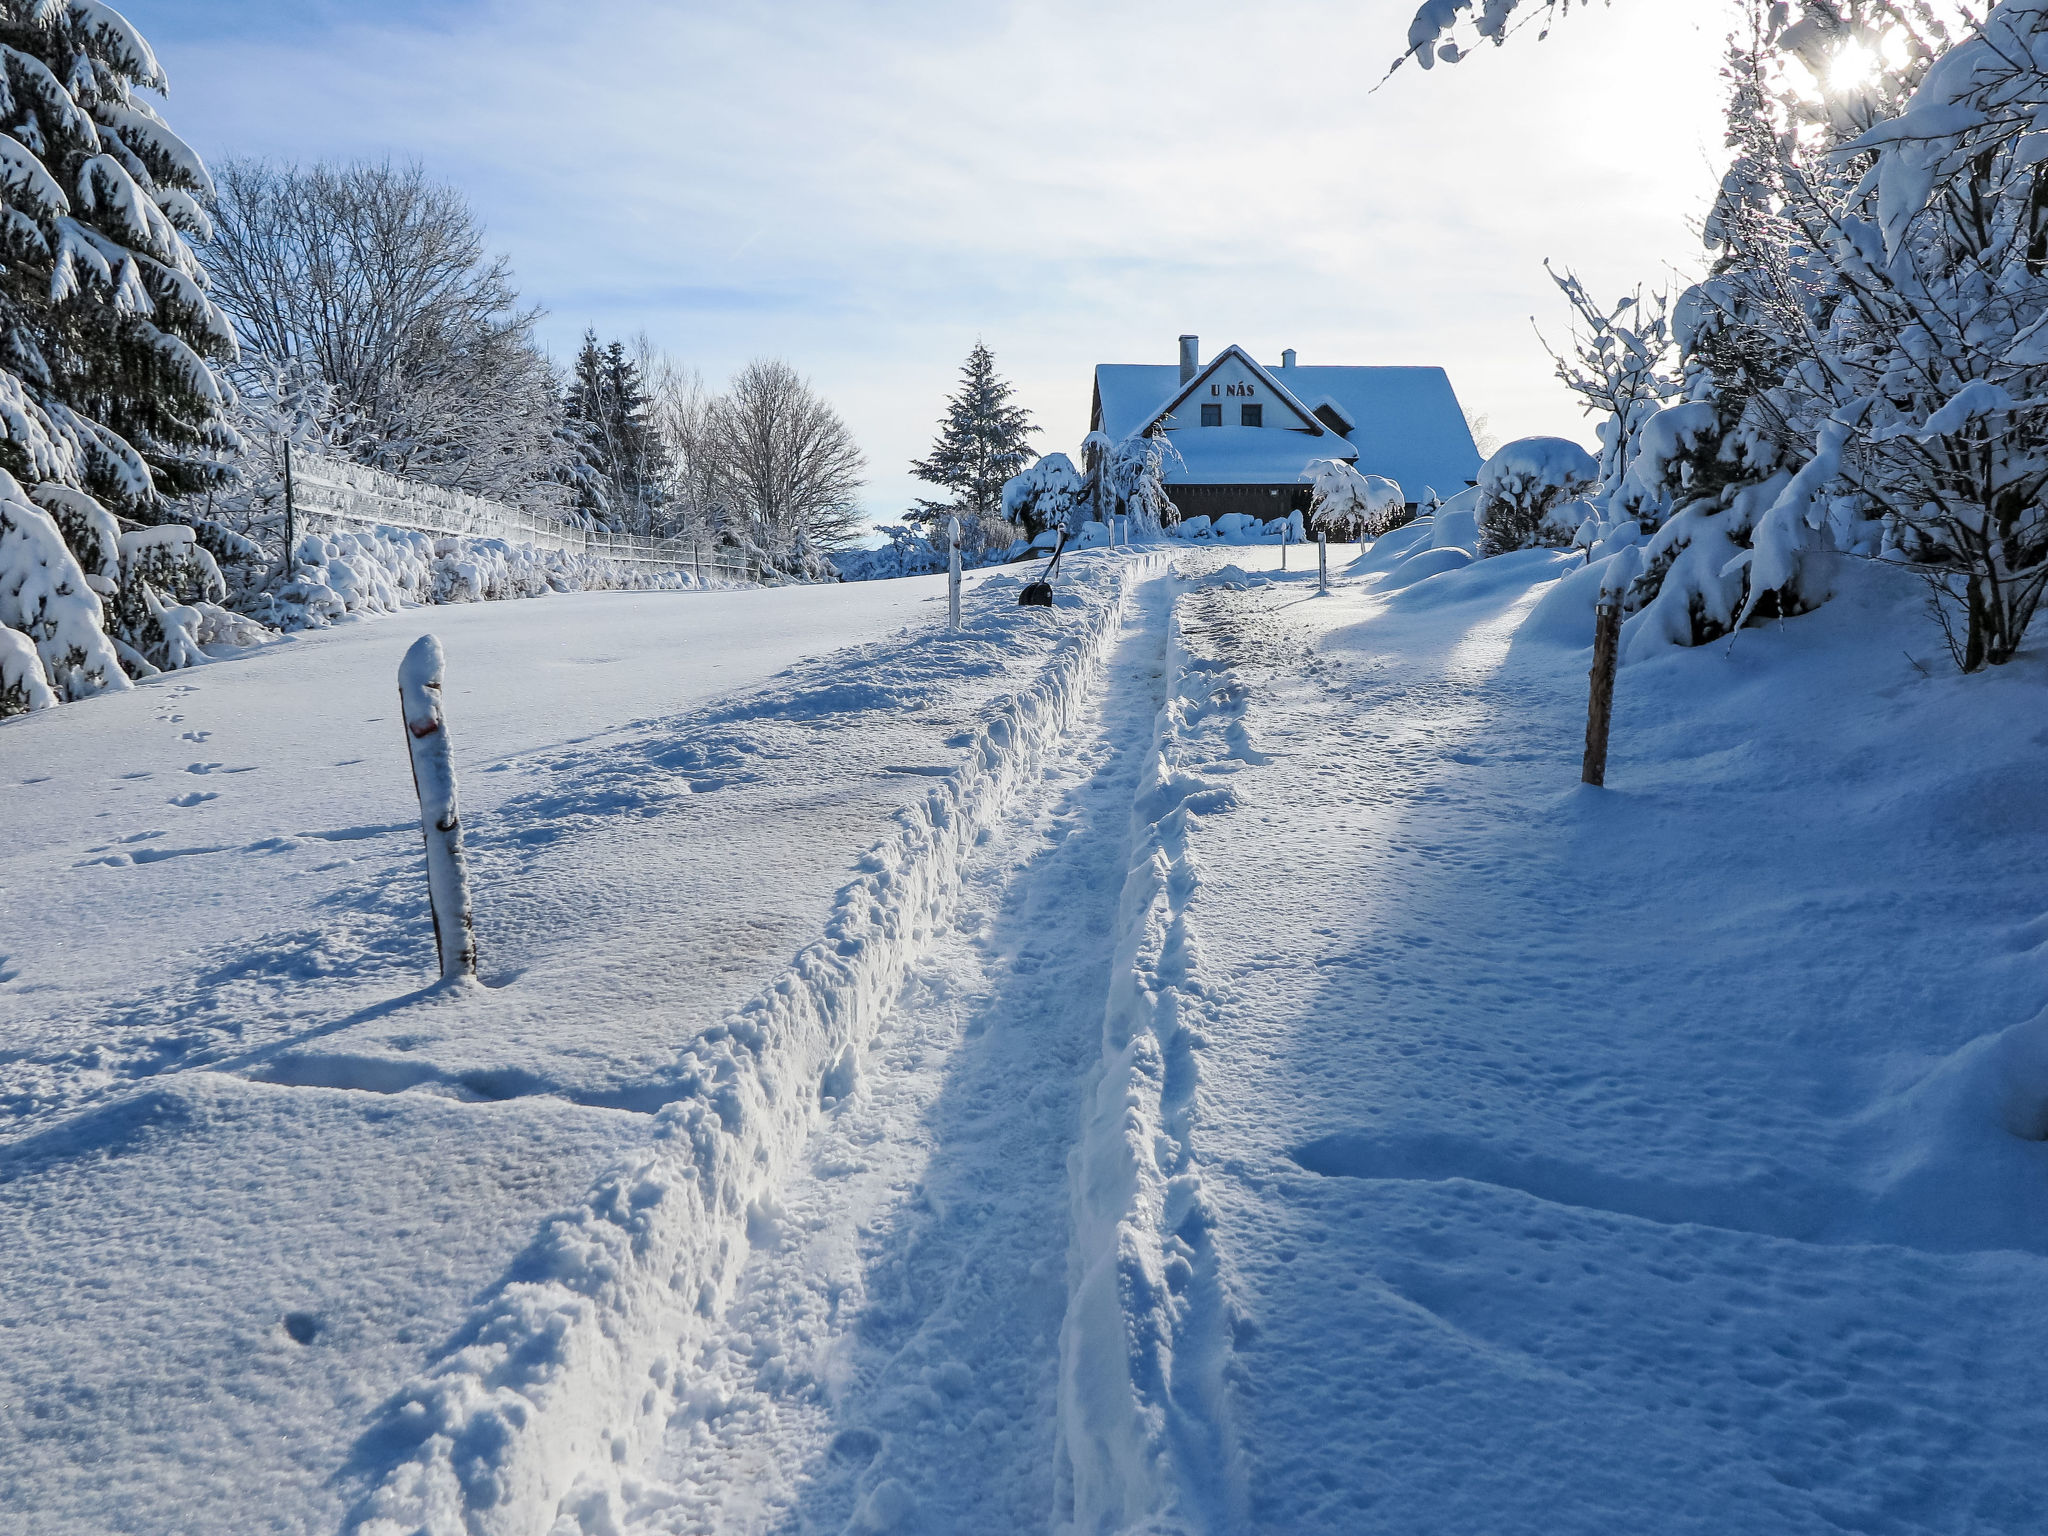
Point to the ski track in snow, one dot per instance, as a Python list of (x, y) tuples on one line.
[(891, 1357)]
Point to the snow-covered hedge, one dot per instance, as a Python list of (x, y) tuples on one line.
[(374, 570)]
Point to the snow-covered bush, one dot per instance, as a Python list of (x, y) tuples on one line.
[(1136, 476), (21, 676), (366, 571), (1044, 495), (46, 597), (1351, 505), (1525, 490)]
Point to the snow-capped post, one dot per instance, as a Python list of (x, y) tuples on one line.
[(1323, 560), (953, 574), (433, 777), (1600, 706)]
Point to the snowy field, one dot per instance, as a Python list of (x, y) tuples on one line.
[(1191, 1061)]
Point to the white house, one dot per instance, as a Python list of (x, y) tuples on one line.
[(1242, 433)]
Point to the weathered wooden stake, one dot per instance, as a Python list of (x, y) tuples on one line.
[(1323, 561), (433, 778), (1600, 706), (953, 573)]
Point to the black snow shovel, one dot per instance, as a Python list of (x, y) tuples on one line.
[(1039, 593)]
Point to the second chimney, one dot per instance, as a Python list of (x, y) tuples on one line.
[(1287, 358), (1190, 357)]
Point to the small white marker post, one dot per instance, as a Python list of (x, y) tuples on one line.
[(1323, 561), (953, 574), (433, 778)]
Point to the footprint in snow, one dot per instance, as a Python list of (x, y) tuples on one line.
[(195, 735), (196, 797)]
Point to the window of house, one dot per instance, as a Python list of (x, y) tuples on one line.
[(1212, 415), (1252, 415)]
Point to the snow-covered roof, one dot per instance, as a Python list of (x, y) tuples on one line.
[(1408, 425), (1249, 455), (1174, 406)]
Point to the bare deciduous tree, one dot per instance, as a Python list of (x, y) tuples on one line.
[(784, 466), (379, 279)]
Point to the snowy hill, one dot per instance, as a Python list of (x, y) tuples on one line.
[(1191, 1060)]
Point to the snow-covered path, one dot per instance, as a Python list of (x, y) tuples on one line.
[(256, 1175), (1576, 1161), (891, 1358)]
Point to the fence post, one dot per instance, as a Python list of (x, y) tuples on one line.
[(1600, 704), (433, 778), (291, 515), (1283, 547), (1323, 561), (953, 574)]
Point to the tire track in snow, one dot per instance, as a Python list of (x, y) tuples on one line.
[(890, 1361)]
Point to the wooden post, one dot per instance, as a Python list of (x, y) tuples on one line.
[(291, 513), (433, 778), (1600, 706), (953, 574), (1323, 561)]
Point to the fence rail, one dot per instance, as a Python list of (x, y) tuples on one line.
[(353, 493)]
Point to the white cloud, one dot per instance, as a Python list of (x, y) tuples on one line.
[(866, 189)]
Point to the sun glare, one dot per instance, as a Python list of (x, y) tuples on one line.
[(1854, 66)]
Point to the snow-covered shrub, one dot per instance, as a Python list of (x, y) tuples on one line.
[(1525, 487), (21, 676), (1350, 505), (46, 596), (1044, 495), (165, 576), (1136, 476)]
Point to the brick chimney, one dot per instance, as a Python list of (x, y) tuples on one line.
[(1190, 357)]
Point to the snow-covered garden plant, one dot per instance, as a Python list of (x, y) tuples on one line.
[(1350, 505), (1623, 369), (1525, 490), (1136, 477), (108, 396), (1043, 495), (53, 608)]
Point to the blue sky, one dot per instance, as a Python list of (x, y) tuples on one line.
[(866, 189)]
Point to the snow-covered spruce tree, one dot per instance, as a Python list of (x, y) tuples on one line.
[(620, 473), (1348, 505), (108, 335), (983, 441), (1045, 495)]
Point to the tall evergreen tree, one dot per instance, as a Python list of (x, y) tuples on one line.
[(107, 329), (983, 440), (108, 338), (619, 480)]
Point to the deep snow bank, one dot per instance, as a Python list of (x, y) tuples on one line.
[(557, 1384)]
